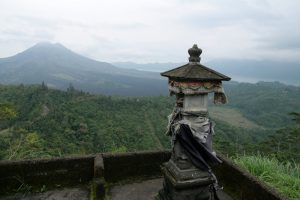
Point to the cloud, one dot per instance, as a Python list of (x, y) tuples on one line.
[(228, 13), (155, 30), (281, 41)]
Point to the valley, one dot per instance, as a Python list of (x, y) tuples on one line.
[(50, 123)]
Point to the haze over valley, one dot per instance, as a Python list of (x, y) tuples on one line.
[(250, 71)]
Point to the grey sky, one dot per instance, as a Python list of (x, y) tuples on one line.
[(155, 30)]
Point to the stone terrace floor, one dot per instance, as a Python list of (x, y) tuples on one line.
[(145, 190), (63, 194), (142, 190)]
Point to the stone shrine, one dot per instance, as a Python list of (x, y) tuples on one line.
[(188, 174)]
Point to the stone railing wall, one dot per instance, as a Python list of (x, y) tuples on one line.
[(115, 167)]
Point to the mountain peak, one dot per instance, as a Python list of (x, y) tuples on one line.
[(48, 45), (46, 49)]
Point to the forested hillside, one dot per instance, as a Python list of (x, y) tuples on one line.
[(55, 123), (266, 103), (284, 145), (36, 121)]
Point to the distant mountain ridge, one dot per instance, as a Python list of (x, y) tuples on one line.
[(58, 66)]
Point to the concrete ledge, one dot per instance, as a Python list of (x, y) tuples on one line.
[(97, 190), (98, 184), (98, 166)]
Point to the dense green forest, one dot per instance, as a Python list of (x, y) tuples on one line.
[(55, 123), (284, 145), (36, 121)]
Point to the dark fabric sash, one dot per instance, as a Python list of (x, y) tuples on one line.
[(199, 154)]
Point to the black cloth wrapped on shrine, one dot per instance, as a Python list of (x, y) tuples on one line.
[(199, 154)]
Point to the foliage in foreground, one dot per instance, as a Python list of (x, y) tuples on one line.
[(285, 177)]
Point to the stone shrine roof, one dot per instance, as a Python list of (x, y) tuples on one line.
[(194, 70)]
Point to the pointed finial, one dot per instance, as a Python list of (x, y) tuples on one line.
[(195, 53)]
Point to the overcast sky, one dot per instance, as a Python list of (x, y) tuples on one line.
[(155, 30)]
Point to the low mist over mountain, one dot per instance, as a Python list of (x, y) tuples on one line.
[(151, 67), (58, 66), (239, 70), (259, 70)]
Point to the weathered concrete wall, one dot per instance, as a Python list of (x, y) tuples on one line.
[(131, 165), (111, 167), (49, 172)]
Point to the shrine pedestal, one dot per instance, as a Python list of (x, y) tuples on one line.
[(185, 184)]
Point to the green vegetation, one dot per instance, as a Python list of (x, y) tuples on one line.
[(266, 104), (57, 123), (284, 177), (284, 145), (7, 111), (40, 122)]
